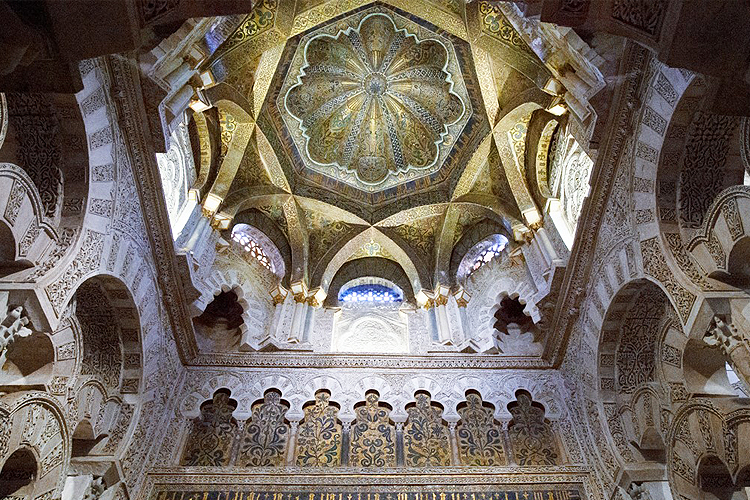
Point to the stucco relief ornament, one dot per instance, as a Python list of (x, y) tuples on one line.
[(374, 101), (722, 336), (12, 326)]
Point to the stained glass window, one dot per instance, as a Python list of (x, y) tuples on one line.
[(488, 254), (370, 292), (252, 247)]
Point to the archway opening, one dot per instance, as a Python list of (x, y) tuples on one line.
[(738, 264), (84, 439), (705, 370), (716, 481), (18, 474)]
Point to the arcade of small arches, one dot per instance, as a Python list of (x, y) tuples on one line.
[(377, 436), (375, 245)]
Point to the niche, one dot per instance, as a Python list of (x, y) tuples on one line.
[(716, 481), (18, 474), (705, 370), (218, 326), (84, 439)]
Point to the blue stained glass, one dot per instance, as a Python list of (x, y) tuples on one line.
[(370, 292)]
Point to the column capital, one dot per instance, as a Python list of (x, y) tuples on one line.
[(722, 335)]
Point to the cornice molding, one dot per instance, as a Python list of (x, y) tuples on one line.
[(619, 130), (126, 93), (531, 477), (310, 360)]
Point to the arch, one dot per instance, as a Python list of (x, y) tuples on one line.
[(25, 233), (708, 437), (391, 291), (694, 156), (700, 157), (480, 232), (211, 437), (35, 422), (320, 434), (266, 432), (370, 242), (103, 303), (630, 390), (255, 304), (18, 474), (47, 138), (369, 266), (426, 435), (372, 436), (271, 237), (217, 327), (532, 439), (190, 405), (105, 328), (486, 302)]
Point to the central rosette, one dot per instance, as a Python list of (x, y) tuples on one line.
[(374, 100), (375, 84)]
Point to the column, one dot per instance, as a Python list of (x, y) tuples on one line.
[(292, 443), (399, 443), (441, 315), (726, 337), (462, 300), (345, 429), (299, 293), (455, 459), (278, 295)]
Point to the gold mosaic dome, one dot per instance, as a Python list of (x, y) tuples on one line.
[(374, 100)]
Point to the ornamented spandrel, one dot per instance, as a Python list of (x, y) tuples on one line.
[(425, 434), (319, 436), (265, 434), (480, 438), (212, 434), (531, 436), (373, 437)]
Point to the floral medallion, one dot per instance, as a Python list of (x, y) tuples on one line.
[(376, 101)]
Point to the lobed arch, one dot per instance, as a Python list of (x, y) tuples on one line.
[(255, 304), (484, 304)]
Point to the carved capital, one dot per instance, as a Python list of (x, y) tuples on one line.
[(12, 326), (637, 491), (724, 336)]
